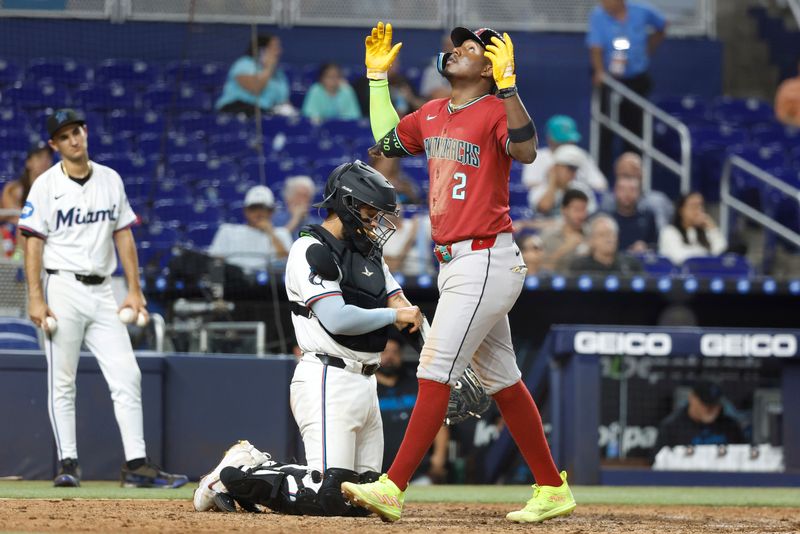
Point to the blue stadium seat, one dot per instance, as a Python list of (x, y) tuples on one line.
[(201, 235), (154, 255), (210, 75), (685, 107), (58, 71), (202, 213), (12, 341), (129, 72), (289, 126), (137, 186), (18, 326), (517, 195), (10, 140), (35, 96), (656, 265), (12, 118), (217, 192), (725, 265), (348, 129), (741, 110), (104, 98), (763, 156), (173, 189), (9, 72), (231, 147)]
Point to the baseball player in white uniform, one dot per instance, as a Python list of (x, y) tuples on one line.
[(74, 215), (343, 299)]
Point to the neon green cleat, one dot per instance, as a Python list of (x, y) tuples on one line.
[(382, 497), (547, 502)]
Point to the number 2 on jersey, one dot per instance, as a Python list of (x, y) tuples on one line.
[(459, 190)]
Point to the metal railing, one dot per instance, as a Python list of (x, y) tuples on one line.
[(617, 93), (728, 202)]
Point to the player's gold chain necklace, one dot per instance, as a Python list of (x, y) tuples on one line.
[(453, 107)]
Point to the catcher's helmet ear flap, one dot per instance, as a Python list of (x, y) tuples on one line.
[(441, 61), (352, 186)]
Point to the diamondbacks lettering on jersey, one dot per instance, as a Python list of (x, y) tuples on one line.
[(463, 152), (74, 215)]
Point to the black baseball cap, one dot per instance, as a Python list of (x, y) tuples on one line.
[(61, 118), (708, 392), (482, 36)]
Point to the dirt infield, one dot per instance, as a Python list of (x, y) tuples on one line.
[(74, 515)]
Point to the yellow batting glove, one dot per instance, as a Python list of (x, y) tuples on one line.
[(501, 54), (380, 53)]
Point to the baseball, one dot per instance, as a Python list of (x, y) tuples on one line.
[(141, 321), (52, 324), (127, 315)]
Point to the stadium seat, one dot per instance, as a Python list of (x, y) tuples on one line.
[(231, 147), (10, 140), (18, 326), (12, 341), (656, 265), (34, 96), (57, 71), (201, 235), (104, 98), (741, 110), (173, 189), (125, 71), (725, 265), (9, 72), (209, 75), (154, 255), (288, 126), (348, 129), (163, 97), (202, 213)]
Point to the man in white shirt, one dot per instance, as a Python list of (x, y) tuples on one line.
[(568, 160), (561, 130), (255, 245)]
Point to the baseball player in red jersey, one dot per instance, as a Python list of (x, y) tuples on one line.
[(469, 140)]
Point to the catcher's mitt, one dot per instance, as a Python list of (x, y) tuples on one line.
[(468, 399)]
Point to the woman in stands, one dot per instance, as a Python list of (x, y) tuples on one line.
[(692, 233), (38, 160), (256, 80), (331, 97)]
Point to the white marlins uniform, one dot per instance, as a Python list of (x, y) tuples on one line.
[(77, 223), (336, 409)]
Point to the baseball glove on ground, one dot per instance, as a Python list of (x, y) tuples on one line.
[(468, 399)]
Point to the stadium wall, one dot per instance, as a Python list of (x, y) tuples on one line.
[(553, 67)]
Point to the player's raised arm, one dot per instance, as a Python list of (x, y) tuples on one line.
[(379, 56), (521, 131)]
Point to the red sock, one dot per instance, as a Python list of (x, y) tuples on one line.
[(525, 424), (426, 420)]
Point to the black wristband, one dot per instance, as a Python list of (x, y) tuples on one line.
[(520, 135), (508, 92)]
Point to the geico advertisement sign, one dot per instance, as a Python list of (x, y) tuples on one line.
[(759, 345), (623, 343)]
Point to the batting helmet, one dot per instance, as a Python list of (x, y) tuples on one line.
[(482, 36), (350, 187)]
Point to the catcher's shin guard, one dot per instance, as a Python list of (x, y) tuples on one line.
[(330, 493)]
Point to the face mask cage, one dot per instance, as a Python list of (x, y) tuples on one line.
[(377, 234)]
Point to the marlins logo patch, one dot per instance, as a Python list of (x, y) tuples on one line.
[(27, 210)]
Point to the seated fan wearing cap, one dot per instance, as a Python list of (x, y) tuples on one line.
[(253, 246)]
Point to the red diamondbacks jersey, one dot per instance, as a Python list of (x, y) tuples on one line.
[(468, 164)]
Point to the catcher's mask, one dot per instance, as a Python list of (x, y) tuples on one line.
[(482, 36), (352, 186)]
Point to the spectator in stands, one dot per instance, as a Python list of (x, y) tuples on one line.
[(255, 245), (622, 37), (331, 97), (531, 247), (787, 101), (701, 421), (629, 165), (561, 130), (298, 193), (604, 256), (409, 250), (565, 241), (638, 232), (406, 189), (38, 160), (692, 233), (404, 98), (433, 85), (546, 198), (256, 80), (397, 393)]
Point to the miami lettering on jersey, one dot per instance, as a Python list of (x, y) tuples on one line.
[(74, 215), (463, 152)]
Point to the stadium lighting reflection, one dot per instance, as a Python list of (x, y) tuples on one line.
[(161, 283), (717, 285), (584, 283), (637, 283), (262, 277), (179, 285), (690, 285), (769, 286), (558, 283), (743, 286), (424, 280), (794, 287), (664, 284), (532, 282), (612, 283)]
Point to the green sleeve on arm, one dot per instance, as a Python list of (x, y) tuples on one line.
[(382, 115)]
